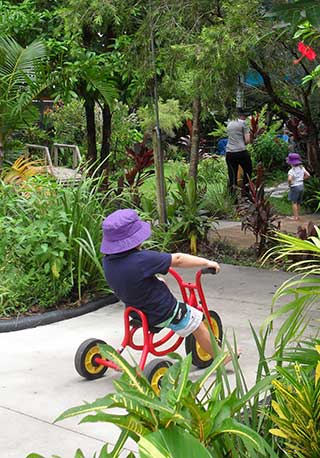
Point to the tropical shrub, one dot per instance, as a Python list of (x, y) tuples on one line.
[(21, 81), (311, 195), (303, 289), (171, 117), (258, 215), (125, 130), (270, 150), (198, 412), (218, 201), (296, 411), (67, 123), (186, 212), (49, 247)]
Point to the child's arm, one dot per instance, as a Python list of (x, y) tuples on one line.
[(306, 174), (289, 178), (187, 260)]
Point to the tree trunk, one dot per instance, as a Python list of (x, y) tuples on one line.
[(160, 182), (195, 138), (312, 148), (1, 154), (106, 140), (91, 127)]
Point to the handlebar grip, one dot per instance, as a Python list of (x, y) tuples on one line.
[(208, 270)]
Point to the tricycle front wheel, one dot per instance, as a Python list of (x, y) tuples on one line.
[(154, 372), (201, 358)]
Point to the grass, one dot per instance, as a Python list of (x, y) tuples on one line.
[(171, 169), (276, 177), (284, 207)]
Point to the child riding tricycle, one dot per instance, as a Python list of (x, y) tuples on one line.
[(132, 273)]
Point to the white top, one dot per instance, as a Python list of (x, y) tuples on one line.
[(236, 135), (297, 173)]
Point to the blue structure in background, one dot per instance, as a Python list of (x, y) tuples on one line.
[(221, 146), (253, 78)]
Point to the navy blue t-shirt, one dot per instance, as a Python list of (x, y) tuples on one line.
[(131, 275)]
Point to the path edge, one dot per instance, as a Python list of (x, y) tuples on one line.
[(26, 322)]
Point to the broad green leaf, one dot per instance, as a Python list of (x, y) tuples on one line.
[(246, 434), (172, 442), (216, 363), (129, 422), (183, 379), (110, 353), (130, 403), (96, 406), (79, 454), (117, 448)]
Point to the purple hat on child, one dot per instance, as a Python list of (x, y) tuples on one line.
[(294, 159), (123, 230)]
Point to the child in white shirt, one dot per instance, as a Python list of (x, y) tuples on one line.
[(296, 176)]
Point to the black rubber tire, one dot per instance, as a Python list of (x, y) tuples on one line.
[(203, 360), (84, 360), (155, 370)]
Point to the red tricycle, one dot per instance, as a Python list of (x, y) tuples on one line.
[(91, 365)]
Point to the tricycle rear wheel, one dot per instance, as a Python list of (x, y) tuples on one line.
[(84, 360)]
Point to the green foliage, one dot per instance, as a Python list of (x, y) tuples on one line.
[(305, 289), (186, 212), (46, 250), (296, 412), (171, 116), (20, 83), (311, 195), (194, 411), (270, 151), (220, 130), (68, 123), (258, 215), (125, 131), (216, 199)]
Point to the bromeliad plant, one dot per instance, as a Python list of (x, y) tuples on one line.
[(258, 215), (198, 414)]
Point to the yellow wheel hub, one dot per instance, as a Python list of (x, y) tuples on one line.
[(156, 379), (89, 364), (203, 355)]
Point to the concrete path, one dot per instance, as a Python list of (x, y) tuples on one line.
[(38, 380), (231, 232)]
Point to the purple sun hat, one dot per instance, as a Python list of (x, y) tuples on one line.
[(122, 231), (294, 159)]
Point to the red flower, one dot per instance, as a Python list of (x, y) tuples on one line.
[(306, 51)]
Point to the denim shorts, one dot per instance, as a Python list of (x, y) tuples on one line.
[(295, 194)]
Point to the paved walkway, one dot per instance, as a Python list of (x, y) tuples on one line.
[(38, 380), (231, 232)]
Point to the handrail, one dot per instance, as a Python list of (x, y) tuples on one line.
[(76, 156), (47, 156)]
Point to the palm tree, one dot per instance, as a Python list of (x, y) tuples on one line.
[(20, 83)]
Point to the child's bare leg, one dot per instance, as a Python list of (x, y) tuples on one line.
[(295, 210), (202, 336)]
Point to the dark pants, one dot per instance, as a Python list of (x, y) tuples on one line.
[(233, 160)]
